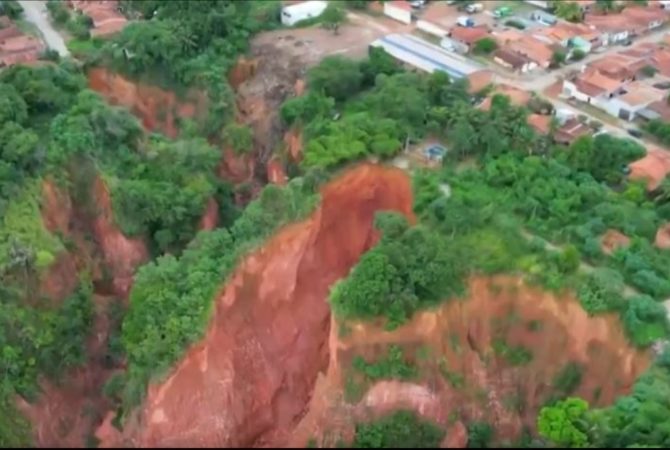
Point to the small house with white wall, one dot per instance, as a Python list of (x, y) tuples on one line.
[(292, 14), (399, 10)]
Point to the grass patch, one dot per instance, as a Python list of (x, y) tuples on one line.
[(84, 47), (391, 366), (514, 355), (456, 380), (402, 429)]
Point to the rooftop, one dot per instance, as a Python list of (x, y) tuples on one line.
[(534, 49), (425, 56), (540, 123), (571, 130), (479, 80), (510, 57), (401, 4), (595, 78), (640, 94), (653, 168), (507, 36), (469, 35)]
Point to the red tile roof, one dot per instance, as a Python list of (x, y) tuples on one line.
[(469, 35), (540, 123), (534, 49), (653, 168)]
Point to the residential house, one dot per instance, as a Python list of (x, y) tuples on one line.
[(540, 123), (571, 130), (479, 80), (645, 19), (660, 109), (592, 87), (618, 66), (637, 97), (105, 15), (660, 60), (652, 168), (513, 60), (468, 36), (534, 49), (572, 36), (615, 28)]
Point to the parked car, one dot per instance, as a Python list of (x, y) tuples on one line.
[(627, 43), (662, 85), (634, 132), (417, 3)]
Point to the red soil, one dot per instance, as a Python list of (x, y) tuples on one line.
[(249, 380)]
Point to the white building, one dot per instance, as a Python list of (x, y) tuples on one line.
[(292, 14), (399, 10)]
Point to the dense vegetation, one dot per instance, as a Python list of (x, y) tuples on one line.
[(506, 200), (410, 268), (172, 299), (391, 366), (402, 429)]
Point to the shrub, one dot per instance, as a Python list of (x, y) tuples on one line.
[(402, 429), (480, 434), (645, 320), (414, 269), (578, 54), (392, 366), (485, 45)]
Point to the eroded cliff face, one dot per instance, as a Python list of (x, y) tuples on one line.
[(158, 109), (249, 380), (460, 373), (66, 412)]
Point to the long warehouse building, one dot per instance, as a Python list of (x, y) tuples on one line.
[(423, 55)]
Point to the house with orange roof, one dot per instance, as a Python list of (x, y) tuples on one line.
[(570, 131), (534, 49), (513, 60), (479, 80), (591, 86), (105, 15), (652, 168), (540, 123), (636, 97), (618, 66), (615, 28), (646, 19), (468, 36)]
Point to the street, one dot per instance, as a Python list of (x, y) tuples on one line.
[(35, 11)]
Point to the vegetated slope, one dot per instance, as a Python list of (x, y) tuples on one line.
[(84, 195), (495, 356), (248, 381)]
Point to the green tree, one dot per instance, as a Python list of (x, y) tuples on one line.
[(606, 6), (578, 54), (645, 320), (11, 9), (570, 11), (239, 137), (402, 429), (485, 46), (649, 71), (337, 77), (564, 423), (557, 58), (332, 17)]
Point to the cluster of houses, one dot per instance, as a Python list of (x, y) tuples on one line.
[(542, 34), (631, 84), (105, 14), (16, 46), (524, 51)]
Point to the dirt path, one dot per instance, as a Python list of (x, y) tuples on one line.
[(35, 11)]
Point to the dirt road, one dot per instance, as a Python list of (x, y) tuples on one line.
[(35, 11)]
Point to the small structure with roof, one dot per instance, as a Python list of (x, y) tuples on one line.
[(399, 10), (652, 168)]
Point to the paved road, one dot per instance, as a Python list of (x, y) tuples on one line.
[(35, 11)]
